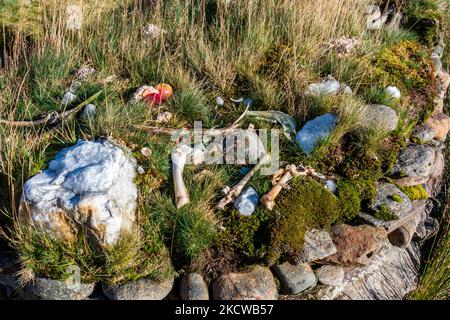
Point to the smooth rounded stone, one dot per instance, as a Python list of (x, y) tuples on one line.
[(393, 92), (356, 245), (387, 195), (440, 123), (49, 289), (295, 278), (414, 164), (328, 86), (88, 187), (423, 133), (317, 244), (257, 284), (315, 130), (380, 117), (331, 185), (68, 98), (247, 201), (142, 289), (219, 101), (193, 287), (89, 111), (330, 275)]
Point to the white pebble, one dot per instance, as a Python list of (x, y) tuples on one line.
[(393, 92), (68, 98), (90, 110)]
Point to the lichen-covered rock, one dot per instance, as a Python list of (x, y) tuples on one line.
[(193, 287), (317, 245), (142, 289), (295, 278), (423, 133), (88, 186), (380, 117), (330, 275), (49, 289), (414, 164), (257, 284), (355, 245), (315, 130)]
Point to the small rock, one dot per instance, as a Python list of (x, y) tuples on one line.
[(328, 86), (49, 289), (295, 278), (423, 133), (247, 102), (317, 244), (89, 111), (393, 92), (152, 31), (219, 101), (247, 201), (440, 123), (142, 289), (414, 164), (380, 117), (343, 46), (140, 170), (68, 98), (346, 89), (315, 130), (74, 17), (356, 245), (330, 275), (330, 185), (193, 287), (257, 284), (164, 117), (146, 152)]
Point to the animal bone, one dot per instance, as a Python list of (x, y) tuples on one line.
[(237, 189), (179, 156), (291, 171)]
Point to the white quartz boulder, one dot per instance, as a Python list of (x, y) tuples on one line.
[(88, 187)]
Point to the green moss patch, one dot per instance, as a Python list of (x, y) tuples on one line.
[(415, 192), (384, 213)]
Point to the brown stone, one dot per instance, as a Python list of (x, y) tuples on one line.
[(440, 123), (356, 245), (258, 284)]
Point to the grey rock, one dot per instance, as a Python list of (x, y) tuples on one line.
[(315, 130), (257, 284), (414, 164), (219, 101), (88, 186), (330, 275), (89, 111), (428, 226), (436, 177), (380, 117), (193, 287), (68, 98), (49, 289), (331, 185), (317, 245), (423, 133), (295, 278), (247, 201), (142, 289)]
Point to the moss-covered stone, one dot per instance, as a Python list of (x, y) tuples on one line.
[(415, 192), (384, 213)]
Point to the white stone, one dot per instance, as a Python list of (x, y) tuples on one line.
[(87, 185), (330, 185), (329, 86), (247, 202), (394, 92), (68, 98), (90, 110), (315, 130), (219, 101), (164, 117), (74, 17)]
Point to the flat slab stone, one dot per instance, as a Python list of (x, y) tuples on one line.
[(330, 275), (295, 278), (317, 245), (257, 284)]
